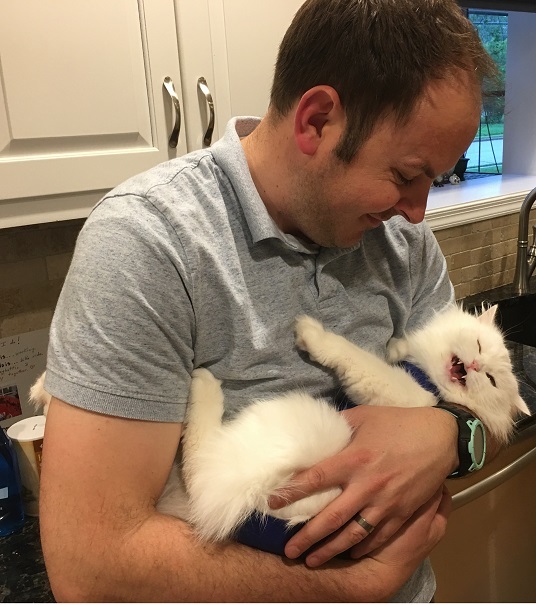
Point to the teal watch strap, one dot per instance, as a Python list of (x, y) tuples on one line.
[(471, 441)]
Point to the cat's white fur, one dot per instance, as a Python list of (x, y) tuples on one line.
[(231, 469)]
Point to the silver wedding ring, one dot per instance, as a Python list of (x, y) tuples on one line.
[(368, 527)]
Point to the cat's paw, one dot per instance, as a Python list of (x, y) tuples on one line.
[(308, 334), (397, 350), (205, 386)]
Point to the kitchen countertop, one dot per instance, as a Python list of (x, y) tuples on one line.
[(23, 577), (498, 294), (524, 362)]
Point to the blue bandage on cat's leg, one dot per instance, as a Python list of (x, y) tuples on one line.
[(266, 533)]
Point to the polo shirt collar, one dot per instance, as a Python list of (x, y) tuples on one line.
[(229, 155)]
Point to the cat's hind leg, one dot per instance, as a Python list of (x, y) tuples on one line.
[(205, 401), (205, 411)]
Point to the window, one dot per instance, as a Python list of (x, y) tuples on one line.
[(484, 156), (501, 192)]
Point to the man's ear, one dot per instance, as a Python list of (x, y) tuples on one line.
[(319, 116)]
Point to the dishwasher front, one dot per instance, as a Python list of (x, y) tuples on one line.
[(488, 554)]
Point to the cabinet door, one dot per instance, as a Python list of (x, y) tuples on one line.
[(82, 101), (232, 44)]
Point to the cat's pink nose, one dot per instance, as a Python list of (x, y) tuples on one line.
[(473, 366)]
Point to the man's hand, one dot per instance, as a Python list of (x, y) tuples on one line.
[(418, 536), (397, 460)]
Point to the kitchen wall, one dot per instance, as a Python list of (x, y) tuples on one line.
[(33, 264), (482, 255), (35, 259)]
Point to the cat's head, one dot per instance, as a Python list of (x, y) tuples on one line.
[(466, 358)]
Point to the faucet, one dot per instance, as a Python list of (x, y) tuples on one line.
[(526, 259)]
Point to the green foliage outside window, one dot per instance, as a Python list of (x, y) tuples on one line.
[(493, 30)]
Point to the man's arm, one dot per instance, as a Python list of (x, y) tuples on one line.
[(104, 541)]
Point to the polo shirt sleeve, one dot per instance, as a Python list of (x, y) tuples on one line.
[(121, 340)]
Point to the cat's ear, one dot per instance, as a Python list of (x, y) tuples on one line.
[(522, 406), (488, 316)]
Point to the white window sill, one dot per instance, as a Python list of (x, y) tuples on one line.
[(477, 199)]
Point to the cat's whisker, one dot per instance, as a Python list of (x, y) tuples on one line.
[(506, 332), (524, 379)]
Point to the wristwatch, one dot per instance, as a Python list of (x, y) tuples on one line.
[(471, 441)]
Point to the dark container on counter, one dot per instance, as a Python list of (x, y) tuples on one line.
[(11, 511)]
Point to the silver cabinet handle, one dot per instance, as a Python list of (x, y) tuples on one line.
[(203, 87), (174, 136), (493, 481)]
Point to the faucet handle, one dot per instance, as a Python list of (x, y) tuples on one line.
[(531, 252)]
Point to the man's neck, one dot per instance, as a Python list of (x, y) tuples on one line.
[(267, 157)]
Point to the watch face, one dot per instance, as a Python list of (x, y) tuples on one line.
[(479, 444)]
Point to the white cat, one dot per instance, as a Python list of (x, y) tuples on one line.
[(231, 469)]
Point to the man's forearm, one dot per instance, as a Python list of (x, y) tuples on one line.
[(162, 561)]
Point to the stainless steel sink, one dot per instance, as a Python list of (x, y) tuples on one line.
[(517, 318)]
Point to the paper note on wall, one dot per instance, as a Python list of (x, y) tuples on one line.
[(22, 360)]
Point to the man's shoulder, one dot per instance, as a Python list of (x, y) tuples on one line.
[(178, 173), (180, 192)]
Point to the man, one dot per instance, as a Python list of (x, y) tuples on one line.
[(206, 260)]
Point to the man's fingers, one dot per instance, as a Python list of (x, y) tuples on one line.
[(332, 518), (355, 531), (381, 535), (314, 479)]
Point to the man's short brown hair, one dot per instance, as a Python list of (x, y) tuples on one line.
[(378, 55)]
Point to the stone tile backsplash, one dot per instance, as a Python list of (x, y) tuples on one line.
[(482, 255), (33, 264), (34, 261)]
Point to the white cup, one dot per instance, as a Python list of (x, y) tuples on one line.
[(27, 436)]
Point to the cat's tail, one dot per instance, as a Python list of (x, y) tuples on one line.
[(40, 398)]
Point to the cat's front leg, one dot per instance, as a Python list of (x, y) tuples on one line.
[(326, 348), (312, 338), (366, 378)]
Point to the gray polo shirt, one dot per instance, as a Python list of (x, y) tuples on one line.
[(182, 267)]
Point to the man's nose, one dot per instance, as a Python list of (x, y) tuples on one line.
[(413, 204)]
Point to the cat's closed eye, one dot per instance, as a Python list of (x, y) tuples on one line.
[(479, 347), (491, 379)]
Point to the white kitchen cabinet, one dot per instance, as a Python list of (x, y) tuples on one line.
[(233, 45), (82, 101)]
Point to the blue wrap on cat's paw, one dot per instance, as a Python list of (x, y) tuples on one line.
[(269, 533)]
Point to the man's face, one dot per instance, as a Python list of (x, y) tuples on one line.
[(335, 203)]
